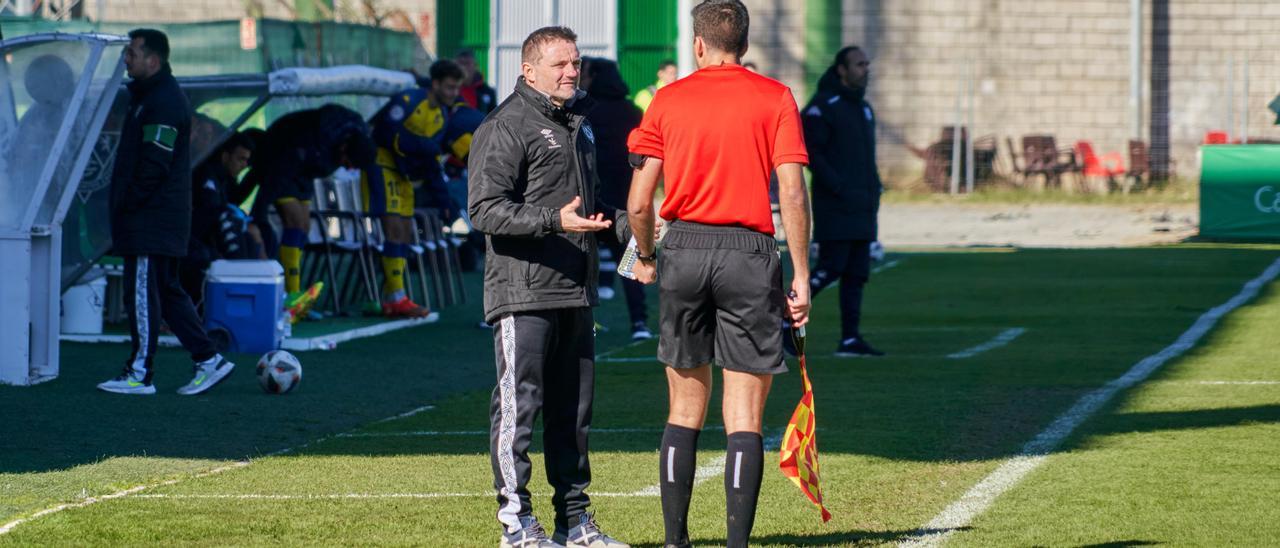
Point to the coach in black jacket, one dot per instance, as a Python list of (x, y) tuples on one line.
[(151, 219), (532, 193), (839, 129)]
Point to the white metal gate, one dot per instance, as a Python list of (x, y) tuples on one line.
[(595, 22)]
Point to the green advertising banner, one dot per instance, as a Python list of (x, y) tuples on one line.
[(1240, 192)]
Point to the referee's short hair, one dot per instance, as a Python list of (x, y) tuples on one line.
[(531, 50), (722, 24)]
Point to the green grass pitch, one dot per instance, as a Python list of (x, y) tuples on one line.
[(1189, 457)]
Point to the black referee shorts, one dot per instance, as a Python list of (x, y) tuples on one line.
[(721, 299)]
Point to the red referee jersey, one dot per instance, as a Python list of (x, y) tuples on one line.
[(720, 132)]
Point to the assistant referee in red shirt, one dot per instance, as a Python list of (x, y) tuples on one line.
[(714, 137)]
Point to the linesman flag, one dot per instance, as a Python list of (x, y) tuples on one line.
[(799, 456)]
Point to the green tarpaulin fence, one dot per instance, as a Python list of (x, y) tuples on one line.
[(216, 47), (1240, 192)]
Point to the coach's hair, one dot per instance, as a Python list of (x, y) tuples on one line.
[(531, 50), (722, 24), (153, 41), (445, 69), (842, 56)]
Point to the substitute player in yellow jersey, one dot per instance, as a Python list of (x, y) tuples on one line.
[(413, 133)]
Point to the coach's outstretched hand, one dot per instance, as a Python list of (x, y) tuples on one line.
[(570, 221)]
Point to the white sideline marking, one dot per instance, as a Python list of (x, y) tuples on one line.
[(980, 497), (8, 527), (404, 415), (885, 266), (653, 359), (876, 270), (631, 344), (323, 342), (427, 433), (1236, 383), (1005, 337)]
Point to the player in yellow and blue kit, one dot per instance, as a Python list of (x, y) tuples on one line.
[(413, 132)]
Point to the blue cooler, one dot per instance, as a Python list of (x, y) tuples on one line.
[(244, 305)]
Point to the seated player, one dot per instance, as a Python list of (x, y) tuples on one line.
[(219, 229), (412, 132), (298, 148)]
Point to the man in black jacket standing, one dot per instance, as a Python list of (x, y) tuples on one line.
[(151, 219), (612, 120), (532, 193), (839, 129)]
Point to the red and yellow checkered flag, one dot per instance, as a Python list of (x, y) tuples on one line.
[(799, 456)]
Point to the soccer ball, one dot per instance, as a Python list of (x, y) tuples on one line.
[(279, 372)]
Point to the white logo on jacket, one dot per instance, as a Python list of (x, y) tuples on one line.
[(591, 136), (546, 134)]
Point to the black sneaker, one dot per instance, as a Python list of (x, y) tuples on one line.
[(789, 342), (856, 348), (640, 332)]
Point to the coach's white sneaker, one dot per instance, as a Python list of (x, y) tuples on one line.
[(129, 382), (207, 374), (586, 534)]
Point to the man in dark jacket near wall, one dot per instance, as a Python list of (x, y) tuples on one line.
[(532, 194), (612, 119), (151, 219), (839, 129)]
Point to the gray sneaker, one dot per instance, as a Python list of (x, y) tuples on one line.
[(586, 534), (128, 382), (530, 535), (207, 374)]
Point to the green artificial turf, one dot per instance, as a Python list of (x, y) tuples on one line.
[(901, 437)]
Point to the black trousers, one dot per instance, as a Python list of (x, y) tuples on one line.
[(632, 289), (546, 364), (152, 291), (848, 261)]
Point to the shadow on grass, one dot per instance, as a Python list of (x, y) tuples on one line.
[(1122, 544), (850, 538), (910, 409)]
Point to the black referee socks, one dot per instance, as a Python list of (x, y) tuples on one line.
[(743, 468), (677, 464)]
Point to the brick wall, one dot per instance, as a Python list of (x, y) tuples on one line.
[(1055, 66)]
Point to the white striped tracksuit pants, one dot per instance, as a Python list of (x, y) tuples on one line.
[(153, 291), (546, 362)]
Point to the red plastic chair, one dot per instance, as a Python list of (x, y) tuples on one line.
[(1216, 137), (1108, 165)]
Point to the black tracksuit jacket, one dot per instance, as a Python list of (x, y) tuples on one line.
[(151, 180)]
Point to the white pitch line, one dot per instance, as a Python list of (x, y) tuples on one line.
[(1005, 337), (405, 415), (640, 359), (9, 527), (981, 496), (1235, 383), (631, 344), (885, 266)]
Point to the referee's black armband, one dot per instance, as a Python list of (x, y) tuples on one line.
[(636, 160)]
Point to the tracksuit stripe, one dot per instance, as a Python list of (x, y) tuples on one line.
[(142, 314), (509, 513)]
